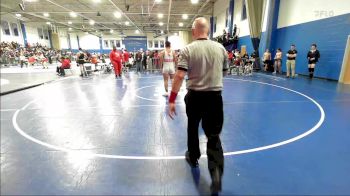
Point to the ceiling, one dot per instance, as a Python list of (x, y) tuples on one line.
[(142, 15)]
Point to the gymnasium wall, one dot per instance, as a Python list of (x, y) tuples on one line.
[(324, 22), (33, 36), (243, 27), (11, 37), (220, 8), (63, 39)]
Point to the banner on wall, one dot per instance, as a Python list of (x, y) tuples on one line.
[(134, 43)]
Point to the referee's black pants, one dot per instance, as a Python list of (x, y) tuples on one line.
[(208, 107)]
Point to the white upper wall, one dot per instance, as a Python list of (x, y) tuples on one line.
[(88, 41), (9, 38), (220, 8), (292, 12), (74, 40), (152, 42), (242, 25), (63, 39), (33, 36)]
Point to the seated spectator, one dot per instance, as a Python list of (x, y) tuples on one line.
[(245, 58), (65, 64), (43, 60), (94, 61), (230, 57), (22, 59), (32, 59)]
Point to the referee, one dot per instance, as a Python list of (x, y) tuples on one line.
[(205, 62)]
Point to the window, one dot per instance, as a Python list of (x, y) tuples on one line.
[(118, 43), (111, 43), (106, 45), (244, 11), (226, 19), (156, 44), (46, 34), (14, 28), (215, 19), (161, 44), (40, 33), (5, 27), (150, 44)]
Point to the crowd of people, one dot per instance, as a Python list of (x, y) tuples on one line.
[(274, 64), (14, 54), (227, 39), (140, 60)]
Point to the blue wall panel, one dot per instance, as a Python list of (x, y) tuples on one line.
[(329, 34), (24, 33), (133, 43), (262, 45), (246, 40)]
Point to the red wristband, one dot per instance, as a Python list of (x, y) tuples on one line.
[(172, 97)]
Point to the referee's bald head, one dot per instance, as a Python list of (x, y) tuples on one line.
[(200, 27)]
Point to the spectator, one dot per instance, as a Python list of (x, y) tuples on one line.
[(156, 60), (32, 59), (65, 64), (313, 55), (278, 61), (291, 56), (43, 60), (138, 59), (81, 60), (267, 60), (94, 60), (126, 57), (230, 57), (144, 60), (22, 59)]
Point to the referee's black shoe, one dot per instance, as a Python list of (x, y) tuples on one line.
[(216, 181), (191, 162)]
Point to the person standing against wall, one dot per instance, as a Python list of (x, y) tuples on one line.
[(205, 62), (313, 55), (278, 61), (291, 56), (267, 60)]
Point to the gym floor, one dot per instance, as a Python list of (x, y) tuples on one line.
[(104, 136)]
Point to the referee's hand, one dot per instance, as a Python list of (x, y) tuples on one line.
[(172, 110)]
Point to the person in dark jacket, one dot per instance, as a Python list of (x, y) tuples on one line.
[(138, 60), (313, 55), (144, 60)]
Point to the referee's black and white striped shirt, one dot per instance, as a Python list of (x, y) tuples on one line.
[(204, 60)]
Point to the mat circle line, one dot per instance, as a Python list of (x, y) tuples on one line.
[(112, 156)]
